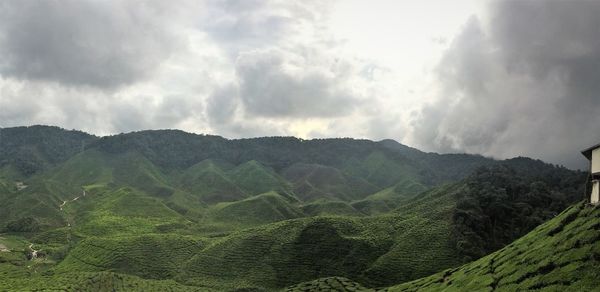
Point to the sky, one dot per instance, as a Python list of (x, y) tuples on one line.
[(497, 78)]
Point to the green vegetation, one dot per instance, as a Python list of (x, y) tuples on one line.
[(102, 281), (260, 209), (169, 211), (505, 202), (28, 150), (146, 256), (328, 284), (562, 254)]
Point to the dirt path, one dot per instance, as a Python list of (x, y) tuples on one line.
[(72, 200), (34, 253), (3, 248)]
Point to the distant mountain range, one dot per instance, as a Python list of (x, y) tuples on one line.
[(166, 209)]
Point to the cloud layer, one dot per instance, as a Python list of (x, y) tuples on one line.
[(523, 83), (519, 79), (95, 43)]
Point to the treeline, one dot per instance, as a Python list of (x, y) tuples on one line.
[(32, 149), (178, 149), (505, 201)]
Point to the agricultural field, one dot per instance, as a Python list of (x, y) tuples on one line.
[(173, 211)]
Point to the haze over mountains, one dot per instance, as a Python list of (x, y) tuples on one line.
[(172, 210)]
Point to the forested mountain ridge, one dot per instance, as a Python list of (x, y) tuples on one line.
[(31, 149), (260, 213)]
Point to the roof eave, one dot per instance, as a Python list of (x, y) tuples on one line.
[(588, 152)]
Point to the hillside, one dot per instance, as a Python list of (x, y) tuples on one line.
[(27, 150), (155, 209), (561, 254)]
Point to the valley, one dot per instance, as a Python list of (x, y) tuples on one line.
[(168, 210)]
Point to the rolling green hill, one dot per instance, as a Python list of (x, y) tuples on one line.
[(210, 182), (255, 178), (147, 256), (168, 210), (264, 208)]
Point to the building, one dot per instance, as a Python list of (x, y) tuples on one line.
[(593, 155)]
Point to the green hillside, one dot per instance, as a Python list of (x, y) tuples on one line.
[(255, 178), (210, 182), (375, 251), (28, 150), (562, 254), (101, 281), (329, 208), (328, 284), (313, 181), (264, 208), (168, 210), (146, 256)]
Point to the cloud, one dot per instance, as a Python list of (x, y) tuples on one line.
[(99, 112), (274, 90), (519, 81), (523, 83), (278, 79), (241, 25), (280, 84), (100, 44)]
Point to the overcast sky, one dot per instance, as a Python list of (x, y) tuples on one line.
[(501, 79)]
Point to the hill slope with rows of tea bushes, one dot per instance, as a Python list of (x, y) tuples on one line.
[(173, 210)]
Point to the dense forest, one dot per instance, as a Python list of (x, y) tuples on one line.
[(506, 201)]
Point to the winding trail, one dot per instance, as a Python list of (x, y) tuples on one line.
[(34, 253), (72, 200)]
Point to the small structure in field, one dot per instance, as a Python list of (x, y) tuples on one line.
[(593, 155)]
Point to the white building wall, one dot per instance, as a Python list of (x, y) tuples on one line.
[(596, 161), (595, 197)]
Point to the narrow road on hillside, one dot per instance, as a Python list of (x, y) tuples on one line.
[(72, 200)]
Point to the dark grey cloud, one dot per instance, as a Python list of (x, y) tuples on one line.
[(526, 82), (222, 104), (97, 43), (281, 84)]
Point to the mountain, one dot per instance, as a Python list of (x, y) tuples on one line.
[(167, 209), (27, 150)]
